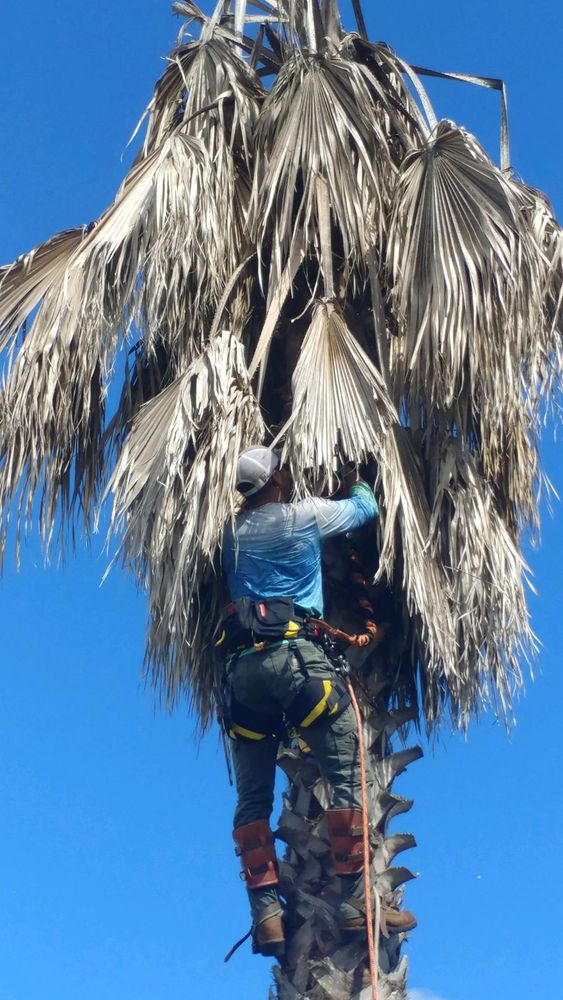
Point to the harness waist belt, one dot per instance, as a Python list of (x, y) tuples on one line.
[(257, 623)]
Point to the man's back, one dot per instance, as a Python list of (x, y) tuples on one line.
[(275, 550)]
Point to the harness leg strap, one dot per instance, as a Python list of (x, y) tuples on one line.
[(255, 847)]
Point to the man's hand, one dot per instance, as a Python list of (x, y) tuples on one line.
[(347, 475), (350, 475)]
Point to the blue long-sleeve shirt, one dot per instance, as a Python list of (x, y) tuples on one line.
[(275, 550)]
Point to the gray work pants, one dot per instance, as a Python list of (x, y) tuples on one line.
[(269, 682)]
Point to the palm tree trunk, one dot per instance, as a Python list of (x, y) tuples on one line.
[(319, 963)]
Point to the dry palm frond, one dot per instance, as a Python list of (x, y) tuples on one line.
[(341, 411), (465, 273), (51, 408), (216, 97), (402, 121), (166, 108), (319, 119), (146, 375), (174, 488), (180, 252), (313, 26), (545, 364), (278, 292), (24, 283), (205, 85), (295, 18), (212, 95), (187, 255), (331, 22), (52, 405), (405, 558), (554, 306), (218, 77), (486, 572), (509, 448)]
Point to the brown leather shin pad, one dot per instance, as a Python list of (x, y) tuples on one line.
[(255, 847), (345, 828)]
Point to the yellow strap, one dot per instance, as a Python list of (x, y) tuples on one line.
[(293, 629), (247, 733), (293, 734), (319, 708)]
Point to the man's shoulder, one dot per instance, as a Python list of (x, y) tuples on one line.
[(291, 515), (310, 509)]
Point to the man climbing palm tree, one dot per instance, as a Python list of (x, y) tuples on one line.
[(276, 674), (301, 243)]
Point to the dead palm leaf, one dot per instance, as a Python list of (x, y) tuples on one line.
[(24, 283), (341, 412), (205, 86), (464, 272), (53, 400), (180, 443), (319, 119), (487, 575)]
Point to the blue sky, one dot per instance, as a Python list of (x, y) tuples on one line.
[(117, 878)]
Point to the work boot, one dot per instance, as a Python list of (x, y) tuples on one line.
[(396, 921), (352, 918), (268, 936), (351, 912)]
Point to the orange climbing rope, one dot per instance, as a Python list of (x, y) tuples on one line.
[(366, 845), (369, 636)]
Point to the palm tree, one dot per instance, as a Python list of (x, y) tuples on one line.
[(302, 251)]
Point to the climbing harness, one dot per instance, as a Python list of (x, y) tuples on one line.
[(254, 626), (316, 698)]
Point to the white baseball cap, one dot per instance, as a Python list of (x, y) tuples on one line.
[(255, 468)]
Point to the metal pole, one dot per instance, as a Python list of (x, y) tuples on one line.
[(356, 4)]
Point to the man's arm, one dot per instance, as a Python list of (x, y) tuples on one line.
[(336, 517)]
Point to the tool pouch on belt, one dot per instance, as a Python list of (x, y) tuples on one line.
[(250, 622)]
